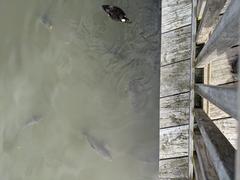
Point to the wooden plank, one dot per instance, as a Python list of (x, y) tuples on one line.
[(221, 70), (220, 150), (237, 176), (223, 97), (175, 14), (238, 149), (197, 170), (176, 45), (174, 110), (225, 7), (173, 168), (206, 166), (224, 36), (173, 142), (229, 128), (209, 20), (192, 90), (216, 113), (175, 78), (200, 8)]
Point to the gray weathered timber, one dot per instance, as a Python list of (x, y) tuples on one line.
[(173, 168), (219, 148), (221, 71), (209, 20), (206, 166), (197, 170), (225, 7), (200, 8), (174, 110), (175, 78), (216, 113), (192, 91), (176, 45), (175, 14), (225, 35), (238, 152), (238, 158), (173, 142), (223, 97), (229, 128)]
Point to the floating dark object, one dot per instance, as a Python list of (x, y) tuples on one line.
[(116, 13)]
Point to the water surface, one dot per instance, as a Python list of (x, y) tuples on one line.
[(78, 91)]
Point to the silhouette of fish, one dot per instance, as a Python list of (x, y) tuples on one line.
[(98, 146), (116, 13)]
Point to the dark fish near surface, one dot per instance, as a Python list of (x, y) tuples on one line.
[(98, 146), (116, 13)]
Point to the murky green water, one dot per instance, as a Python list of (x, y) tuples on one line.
[(78, 91)]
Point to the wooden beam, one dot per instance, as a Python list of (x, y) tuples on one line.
[(220, 150), (209, 20), (223, 97), (206, 166), (225, 35), (238, 151), (197, 170), (192, 92), (200, 8)]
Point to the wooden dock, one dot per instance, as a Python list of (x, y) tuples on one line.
[(176, 146)]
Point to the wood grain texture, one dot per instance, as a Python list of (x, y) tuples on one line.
[(176, 45), (173, 168), (221, 70), (224, 97), (175, 14), (222, 153), (209, 20), (174, 110), (218, 72), (175, 78), (197, 170), (224, 36), (174, 142), (229, 128), (215, 113), (206, 167)]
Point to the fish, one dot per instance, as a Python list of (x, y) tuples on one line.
[(116, 13), (98, 146), (33, 121)]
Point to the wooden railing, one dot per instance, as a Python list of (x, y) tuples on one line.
[(211, 155)]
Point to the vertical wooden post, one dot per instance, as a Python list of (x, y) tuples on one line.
[(192, 82), (237, 165)]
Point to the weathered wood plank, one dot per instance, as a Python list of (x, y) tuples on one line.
[(175, 78), (192, 90), (197, 170), (225, 35), (200, 8), (238, 151), (229, 128), (176, 45), (175, 14), (209, 20), (238, 157), (173, 168), (174, 110), (221, 70), (220, 150), (216, 113), (225, 7), (206, 166), (223, 97), (173, 142)]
